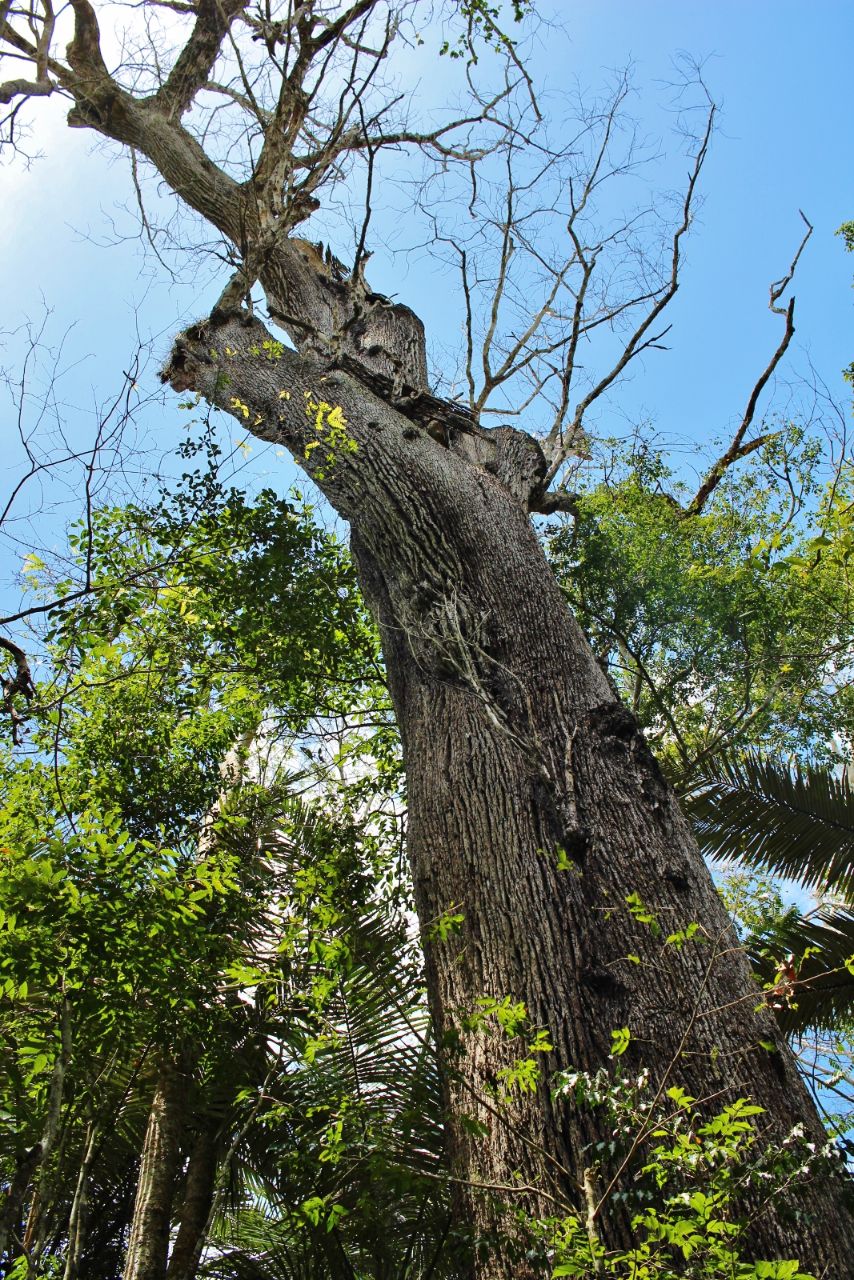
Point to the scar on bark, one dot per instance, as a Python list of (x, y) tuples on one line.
[(603, 982)]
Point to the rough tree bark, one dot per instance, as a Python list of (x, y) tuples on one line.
[(148, 1246), (196, 1204), (520, 760)]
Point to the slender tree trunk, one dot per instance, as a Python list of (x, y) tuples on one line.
[(537, 812), (39, 1156), (13, 1201), (148, 1246), (196, 1206), (78, 1218)]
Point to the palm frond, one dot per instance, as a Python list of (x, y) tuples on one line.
[(352, 1116), (822, 946), (797, 823)]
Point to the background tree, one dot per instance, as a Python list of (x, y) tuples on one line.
[(546, 835), (213, 1023), (725, 627)]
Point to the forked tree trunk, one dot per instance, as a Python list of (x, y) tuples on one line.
[(521, 761)]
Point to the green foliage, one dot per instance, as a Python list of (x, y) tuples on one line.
[(504, 1023), (482, 22), (642, 913), (347, 1142), (620, 1041), (445, 925), (796, 822), (847, 233), (153, 904), (202, 616), (274, 966), (754, 902), (731, 626), (333, 438), (109, 918), (756, 813), (681, 1173)]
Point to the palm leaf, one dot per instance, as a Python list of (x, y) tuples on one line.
[(378, 1071), (822, 998), (797, 823)]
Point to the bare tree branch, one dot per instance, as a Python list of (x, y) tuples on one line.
[(196, 61), (737, 448), (638, 341)]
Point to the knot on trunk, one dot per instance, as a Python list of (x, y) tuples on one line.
[(612, 723), (203, 354), (619, 734), (513, 457)]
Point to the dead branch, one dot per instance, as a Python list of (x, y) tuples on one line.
[(538, 296), (640, 340), (737, 448), (25, 89), (42, 86)]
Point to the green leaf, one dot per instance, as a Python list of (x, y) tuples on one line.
[(620, 1040)]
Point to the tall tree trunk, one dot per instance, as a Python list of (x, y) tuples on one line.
[(148, 1246), (196, 1205), (521, 761)]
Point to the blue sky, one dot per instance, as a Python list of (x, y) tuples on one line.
[(781, 72)]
